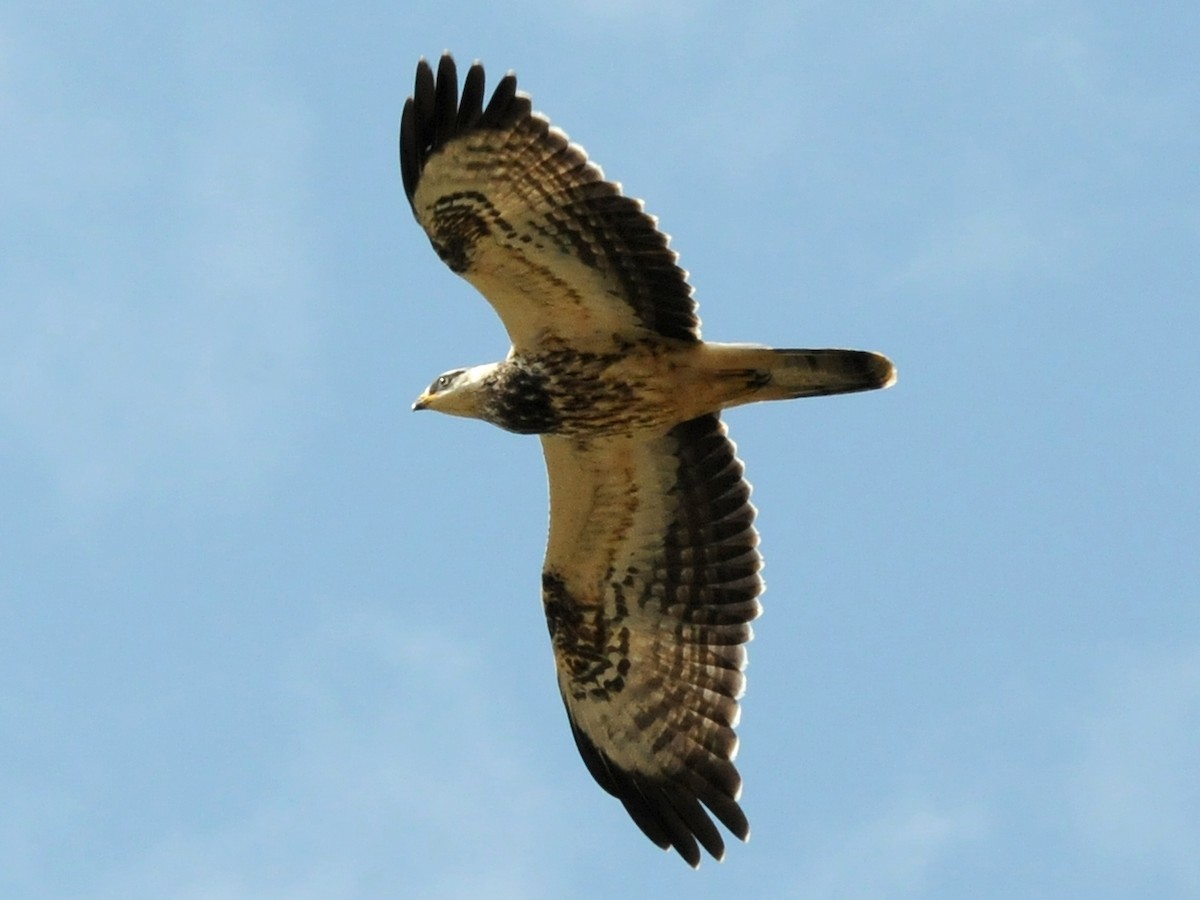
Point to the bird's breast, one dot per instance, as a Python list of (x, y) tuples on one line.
[(578, 393)]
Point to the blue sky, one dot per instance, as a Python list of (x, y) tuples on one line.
[(265, 634)]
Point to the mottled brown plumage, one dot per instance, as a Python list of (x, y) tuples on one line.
[(651, 577)]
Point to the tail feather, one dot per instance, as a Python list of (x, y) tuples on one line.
[(814, 373), (733, 374)]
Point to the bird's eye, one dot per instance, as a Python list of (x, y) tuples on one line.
[(442, 382)]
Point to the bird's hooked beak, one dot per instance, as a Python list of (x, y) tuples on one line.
[(422, 401)]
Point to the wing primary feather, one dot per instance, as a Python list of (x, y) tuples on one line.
[(445, 102), (721, 802), (410, 157), (499, 108), (680, 833), (470, 106), (415, 128), (423, 94), (687, 807)]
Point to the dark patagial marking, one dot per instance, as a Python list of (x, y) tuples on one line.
[(460, 220), (592, 642)]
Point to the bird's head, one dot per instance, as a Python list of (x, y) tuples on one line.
[(459, 392)]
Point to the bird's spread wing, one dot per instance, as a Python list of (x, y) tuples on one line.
[(519, 211), (650, 583)]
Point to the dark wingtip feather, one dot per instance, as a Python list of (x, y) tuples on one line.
[(445, 101), (410, 163), (696, 821), (415, 128), (470, 107), (719, 798), (423, 91), (501, 104)]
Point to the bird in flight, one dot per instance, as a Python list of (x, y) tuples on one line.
[(651, 576)]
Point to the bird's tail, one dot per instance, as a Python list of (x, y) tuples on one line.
[(785, 374), (812, 373)]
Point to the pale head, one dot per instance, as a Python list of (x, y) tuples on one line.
[(459, 392)]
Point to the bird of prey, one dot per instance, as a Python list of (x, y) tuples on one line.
[(651, 576)]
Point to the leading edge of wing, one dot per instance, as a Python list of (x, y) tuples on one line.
[(517, 209)]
